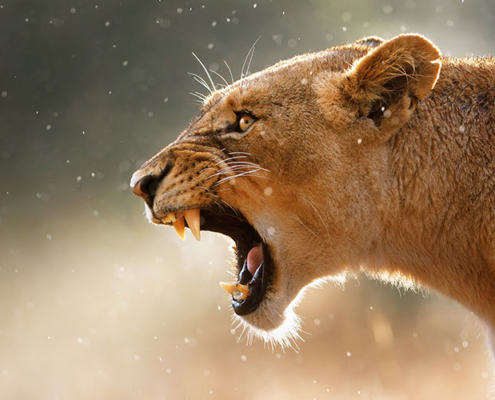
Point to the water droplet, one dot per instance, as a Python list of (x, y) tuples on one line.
[(346, 17), (387, 9)]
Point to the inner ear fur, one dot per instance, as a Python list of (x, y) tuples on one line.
[(393, 76), (370, 41)]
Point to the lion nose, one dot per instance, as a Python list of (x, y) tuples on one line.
[(145, 187), (145, 183)]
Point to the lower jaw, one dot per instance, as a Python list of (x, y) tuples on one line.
[(258, 285)]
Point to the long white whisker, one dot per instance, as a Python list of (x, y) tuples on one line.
[(228, 178), (256, 168), (200, 96), (244, 164), (221, 77), (251, 50), (230, 71), (252, 54), (228, 159), (207, 73), (201, 81), (244, 63)]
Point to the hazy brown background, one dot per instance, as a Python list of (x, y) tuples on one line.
[(95, 303)]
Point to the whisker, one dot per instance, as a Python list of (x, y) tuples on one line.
[(240, 168), (230, 71), (200, 96), (245, 164), (322, 221), (308, 228), (221, 77), (219, 198), (201, 81), (228, 178), (252, 54), (244, 63), (228, 159), (207, 73), (219, 205), (251, 50)]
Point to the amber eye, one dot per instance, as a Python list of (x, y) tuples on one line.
[(245, 122)]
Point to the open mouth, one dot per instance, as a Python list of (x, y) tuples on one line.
[(254, 263)]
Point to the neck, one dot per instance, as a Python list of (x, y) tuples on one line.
[(442, 231)]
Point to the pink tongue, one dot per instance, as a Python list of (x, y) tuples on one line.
[(255, 258)]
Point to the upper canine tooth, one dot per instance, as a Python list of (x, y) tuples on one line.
[(192, 218), (180, 227)]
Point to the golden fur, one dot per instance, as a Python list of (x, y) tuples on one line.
[(377, 155)]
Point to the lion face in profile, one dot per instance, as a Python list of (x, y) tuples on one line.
[(292, 163)]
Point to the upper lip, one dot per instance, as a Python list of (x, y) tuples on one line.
[(233, 224)]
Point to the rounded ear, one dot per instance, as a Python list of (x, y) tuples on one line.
[(391, 78)]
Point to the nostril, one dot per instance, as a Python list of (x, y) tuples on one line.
[(146, 188)]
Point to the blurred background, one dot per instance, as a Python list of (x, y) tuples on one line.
[(95, 303)]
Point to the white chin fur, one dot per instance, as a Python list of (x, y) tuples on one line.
[(273, 322)]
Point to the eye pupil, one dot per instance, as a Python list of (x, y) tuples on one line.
[(245, 122)]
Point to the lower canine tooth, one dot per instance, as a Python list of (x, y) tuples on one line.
[(192, 218), (239, 296), (244, 289), (180, 227), (238, 291), (228, 287)]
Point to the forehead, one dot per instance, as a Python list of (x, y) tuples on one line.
[(286, 75)]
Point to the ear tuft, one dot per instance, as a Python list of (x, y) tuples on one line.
[(407, 65)]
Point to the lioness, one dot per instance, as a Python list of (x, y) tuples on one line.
[(377, 155)]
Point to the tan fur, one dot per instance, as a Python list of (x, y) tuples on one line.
[(377, 154)]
